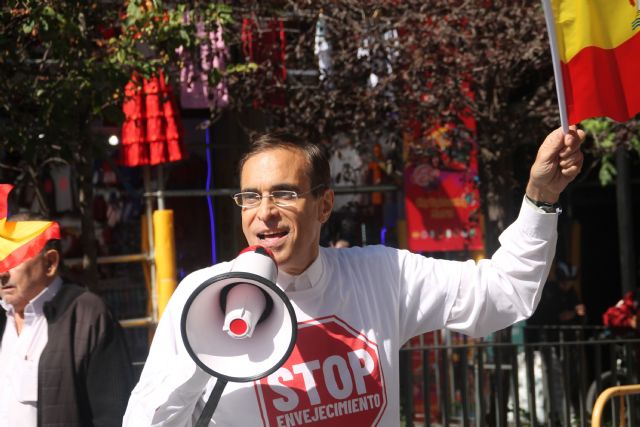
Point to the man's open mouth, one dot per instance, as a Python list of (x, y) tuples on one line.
[(272, 235)]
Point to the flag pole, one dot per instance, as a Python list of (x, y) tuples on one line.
[(555, 59)]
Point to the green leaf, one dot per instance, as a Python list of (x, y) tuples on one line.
[(184, 35), (28, 27), (607, 171), (49, 11), (601, 129), (242, 68), (608, 141), (214, 76), (134, 11)]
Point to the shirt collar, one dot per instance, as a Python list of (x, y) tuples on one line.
[(305, 280), (46, 295), (37, 303), (6, 307)]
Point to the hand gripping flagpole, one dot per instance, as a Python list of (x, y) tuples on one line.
[(557, 69)]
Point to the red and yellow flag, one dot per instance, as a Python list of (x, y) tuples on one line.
[(20, 240), (598, 44)]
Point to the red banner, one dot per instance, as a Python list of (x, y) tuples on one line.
[(442, 200)]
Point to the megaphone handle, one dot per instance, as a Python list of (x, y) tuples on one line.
[(212, 403)]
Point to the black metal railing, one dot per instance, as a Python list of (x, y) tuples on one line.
[(552, 377)]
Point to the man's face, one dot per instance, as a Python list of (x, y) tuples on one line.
[(25, 281), (291, 232)]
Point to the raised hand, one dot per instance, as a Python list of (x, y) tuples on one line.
[(558, 162)]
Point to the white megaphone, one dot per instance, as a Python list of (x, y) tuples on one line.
[(239, 326)]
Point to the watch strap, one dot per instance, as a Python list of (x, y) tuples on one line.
[(544, 206)]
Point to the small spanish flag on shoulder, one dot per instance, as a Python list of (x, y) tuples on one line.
[(595, 44), (21, 240)]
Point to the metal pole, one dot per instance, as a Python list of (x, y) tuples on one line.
[(557, 68), (463, 386), (407, 377), (514, 386), (531, 386), (499, 395), (479, 382), (566, 379), (228, 192), (152, 265), (625, 221), (426, 388), (583, 369), (136, 323), (444, 388), (160, 186)]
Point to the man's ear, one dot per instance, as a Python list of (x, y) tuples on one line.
[(326, 206), (52, 262)]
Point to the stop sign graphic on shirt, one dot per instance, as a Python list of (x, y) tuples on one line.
[(332, 378)]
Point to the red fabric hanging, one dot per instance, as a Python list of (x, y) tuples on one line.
[(151, 132), (267, 45)]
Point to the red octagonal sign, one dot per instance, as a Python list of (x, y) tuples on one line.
[(332, 378)]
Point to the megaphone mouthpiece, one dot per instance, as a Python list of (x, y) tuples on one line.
[(244, 307)]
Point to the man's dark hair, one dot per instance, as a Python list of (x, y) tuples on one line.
[(54, 244), (319, 172)]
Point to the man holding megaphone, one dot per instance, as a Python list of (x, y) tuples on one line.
[(354, 308)]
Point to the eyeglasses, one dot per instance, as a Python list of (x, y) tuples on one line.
[(282, 198)]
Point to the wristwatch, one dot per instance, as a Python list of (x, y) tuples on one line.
[(544, 206)]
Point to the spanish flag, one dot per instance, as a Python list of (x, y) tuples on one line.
[(21, 240), (597, 49)]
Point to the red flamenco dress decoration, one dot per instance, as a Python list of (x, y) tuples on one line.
[(151, 132)]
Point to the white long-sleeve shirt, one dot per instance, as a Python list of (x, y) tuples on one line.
[(19, 360), (362, 306)]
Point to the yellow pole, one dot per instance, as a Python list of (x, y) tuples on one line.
[(165, 255)]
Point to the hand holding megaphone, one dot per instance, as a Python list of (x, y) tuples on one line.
[(239, 326)]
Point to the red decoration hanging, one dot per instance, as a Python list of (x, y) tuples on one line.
[(264, 42), (151, 132)]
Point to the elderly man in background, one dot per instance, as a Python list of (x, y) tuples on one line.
[(63, 359)]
